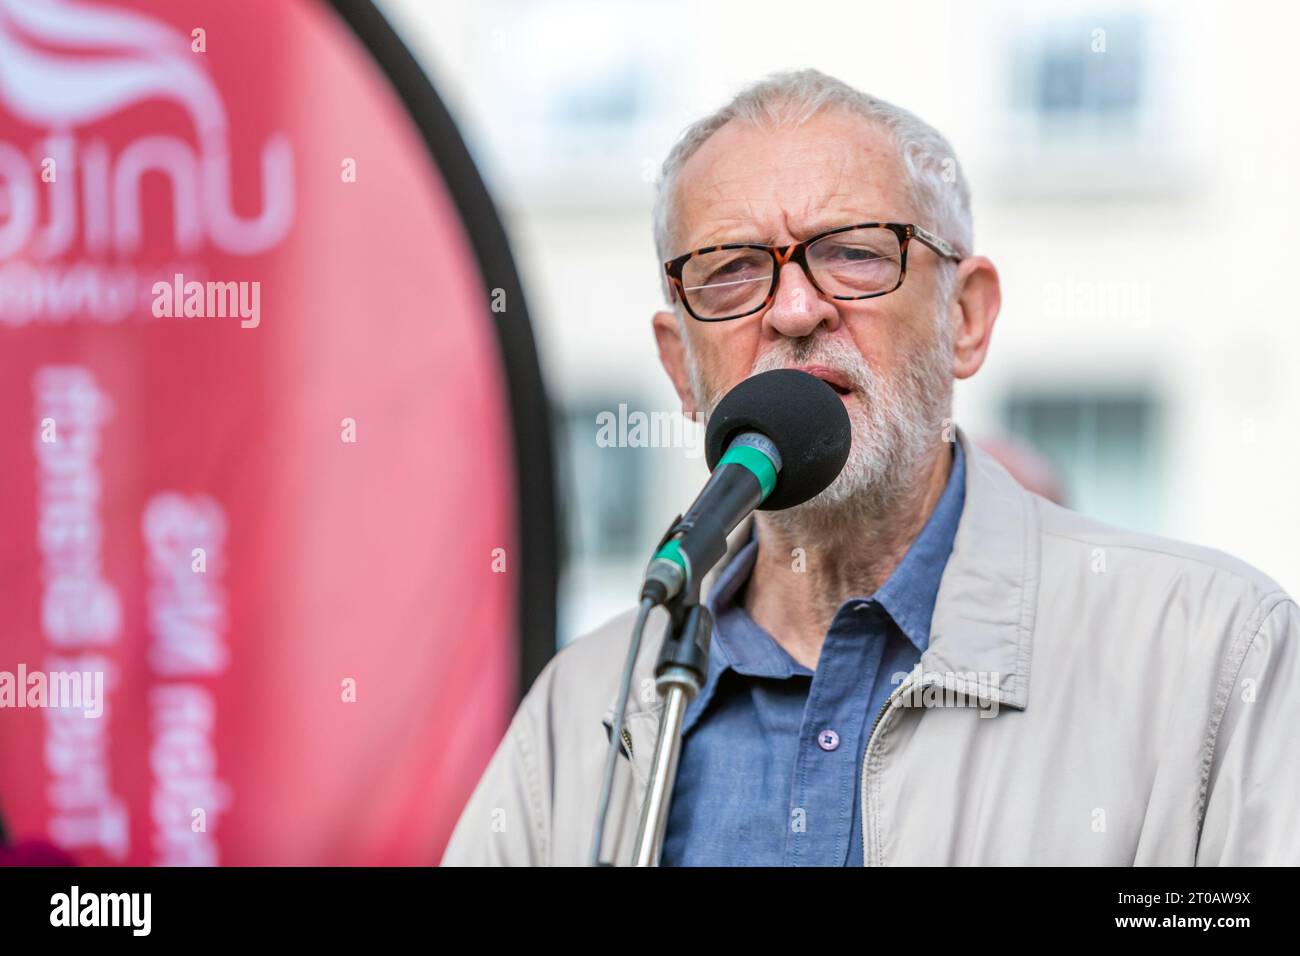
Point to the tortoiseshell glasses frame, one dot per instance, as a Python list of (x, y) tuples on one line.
[(798, 252)]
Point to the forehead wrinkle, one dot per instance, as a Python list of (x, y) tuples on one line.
[(747, 218), (842, 208), (737, 218)]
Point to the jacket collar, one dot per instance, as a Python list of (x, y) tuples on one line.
[(981, 634), (983, 622)]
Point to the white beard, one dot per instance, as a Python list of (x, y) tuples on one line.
[(896, 424)]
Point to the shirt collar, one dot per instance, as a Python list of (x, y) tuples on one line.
[(910, 592), (738, 642), (908, 596), (984, 615)]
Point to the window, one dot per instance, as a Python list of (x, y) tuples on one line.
[(604, 486), (1106, 448)]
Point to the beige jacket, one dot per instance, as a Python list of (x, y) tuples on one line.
[(1134, 700)]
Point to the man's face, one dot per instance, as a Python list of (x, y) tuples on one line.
[(890, 356)]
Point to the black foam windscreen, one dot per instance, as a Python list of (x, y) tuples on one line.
[(802, 415)]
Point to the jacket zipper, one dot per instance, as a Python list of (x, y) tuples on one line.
[(866, 758), (627, 740)]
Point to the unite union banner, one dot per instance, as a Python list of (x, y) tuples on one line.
[(276, 468)]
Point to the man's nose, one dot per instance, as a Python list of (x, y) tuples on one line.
[(798, 307)]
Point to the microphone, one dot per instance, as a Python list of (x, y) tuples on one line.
[(776, 440)]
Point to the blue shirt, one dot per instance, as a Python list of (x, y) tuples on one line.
[(771, 761)]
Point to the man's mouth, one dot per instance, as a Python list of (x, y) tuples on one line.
[(836, 379)]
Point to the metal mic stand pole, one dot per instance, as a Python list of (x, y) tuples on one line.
[(679, 674)]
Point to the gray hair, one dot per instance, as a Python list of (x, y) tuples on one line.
[(936, 187)]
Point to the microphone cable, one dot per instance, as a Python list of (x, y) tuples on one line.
[(616, 731)]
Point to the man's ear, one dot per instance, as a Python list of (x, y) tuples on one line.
[(672, 354), (977, 298)]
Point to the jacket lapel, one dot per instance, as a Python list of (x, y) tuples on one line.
[(984, 615)]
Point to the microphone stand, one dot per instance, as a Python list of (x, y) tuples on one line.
[(679, 674)]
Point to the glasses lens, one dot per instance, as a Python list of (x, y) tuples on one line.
[(727, 282), (856, 263)]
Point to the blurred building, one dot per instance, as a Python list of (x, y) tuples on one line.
[(1130, 164)]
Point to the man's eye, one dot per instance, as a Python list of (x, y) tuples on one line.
[(736, 268), (854, 254)]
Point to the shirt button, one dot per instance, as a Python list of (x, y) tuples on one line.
[(828, 740)]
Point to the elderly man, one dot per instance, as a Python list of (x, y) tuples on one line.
[(926, 663)]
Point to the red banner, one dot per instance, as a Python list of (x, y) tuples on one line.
[(260, 479)]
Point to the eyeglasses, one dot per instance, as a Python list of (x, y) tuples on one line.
[(731, 281)]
